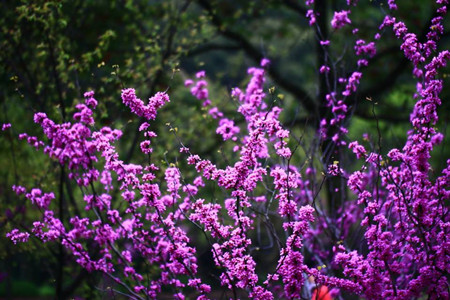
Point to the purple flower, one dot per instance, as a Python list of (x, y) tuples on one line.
[(227, 129), (6, 126), (340, 19)]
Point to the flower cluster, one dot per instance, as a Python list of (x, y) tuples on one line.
[(340, 19)]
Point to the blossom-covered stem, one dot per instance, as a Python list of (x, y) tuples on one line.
[(191, 274)]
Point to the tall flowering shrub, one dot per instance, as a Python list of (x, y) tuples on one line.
[(400, 210)]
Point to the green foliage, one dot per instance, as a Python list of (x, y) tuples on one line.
[(26, 289)]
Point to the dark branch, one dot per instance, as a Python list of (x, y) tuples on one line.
[(213, 47)]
